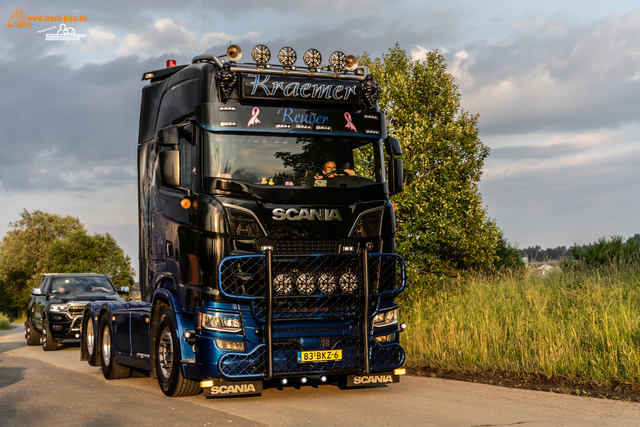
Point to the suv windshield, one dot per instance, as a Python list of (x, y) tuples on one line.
[(293, 160), (81, 284)]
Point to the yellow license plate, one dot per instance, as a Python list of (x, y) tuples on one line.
[(319, 356)]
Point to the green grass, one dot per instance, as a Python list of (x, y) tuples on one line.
[(581, 323), (5, 324)]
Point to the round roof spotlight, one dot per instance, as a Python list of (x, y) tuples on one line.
[(312, 59), (261, 55), (338, 62), (305, 284), (348, 283), (234, 52), (352, 62), (283, 284), (327, 284), (287, 57)]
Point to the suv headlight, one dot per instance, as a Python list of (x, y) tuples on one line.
[(386, 318), (59, 308), (213, 322)]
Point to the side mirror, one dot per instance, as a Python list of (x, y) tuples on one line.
[(395, 169), (169, 159), (170, 168), (123, 290), (168, 136), (396, 176), (36, 292)]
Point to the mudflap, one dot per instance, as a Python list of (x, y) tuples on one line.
[(372, 379), (224, 388)]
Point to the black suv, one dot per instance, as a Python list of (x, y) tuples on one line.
[(56, 307)]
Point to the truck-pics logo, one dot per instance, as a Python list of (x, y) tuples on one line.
[(65, 34), (279, 214), (18, 19)]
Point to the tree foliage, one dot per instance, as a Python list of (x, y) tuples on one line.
[(442, 226), (40, 242)]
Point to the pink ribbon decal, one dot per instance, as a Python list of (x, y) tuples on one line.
[(349, 124), (254, 117)]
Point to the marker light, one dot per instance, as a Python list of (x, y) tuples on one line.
[(287, 57), (399, 371), (185, 203), (312, 58), (261, 55), (206, 383), (171, 63), (338, 62)]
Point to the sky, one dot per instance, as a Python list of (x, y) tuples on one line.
[(556, 85)]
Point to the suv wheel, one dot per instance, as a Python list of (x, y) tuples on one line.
[(32, 336), (48, 343)]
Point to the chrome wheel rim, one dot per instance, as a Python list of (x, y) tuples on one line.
[(165, 352), (90, 338), (106, 346)]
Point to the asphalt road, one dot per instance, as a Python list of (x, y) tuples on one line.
[(55, 388)]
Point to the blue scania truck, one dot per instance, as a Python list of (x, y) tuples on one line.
[(266, 232)]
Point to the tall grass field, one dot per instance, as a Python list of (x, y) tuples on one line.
[(581, 323)]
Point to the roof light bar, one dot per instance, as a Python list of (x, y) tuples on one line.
[(287, 57), (338, 62), (261, 55), (312, 59)]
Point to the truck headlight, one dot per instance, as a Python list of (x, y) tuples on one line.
[(230, 345), (386, 318), (59, 308), (212, 322)]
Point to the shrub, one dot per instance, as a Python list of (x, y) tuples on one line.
[(5, 324)]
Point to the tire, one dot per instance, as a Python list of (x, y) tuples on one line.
[(167, 359), (32, 336), (89, 338), (48, 343), (110, 369)]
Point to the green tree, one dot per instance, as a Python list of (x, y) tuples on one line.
[(40, 242), (21, 250), (443, 228), (98, 253)]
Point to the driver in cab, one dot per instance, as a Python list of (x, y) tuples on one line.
[(329, 170)]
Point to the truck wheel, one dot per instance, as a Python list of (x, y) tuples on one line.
[(48, 343), (89, 337), (167, 359), (110, 369), (32, 336)]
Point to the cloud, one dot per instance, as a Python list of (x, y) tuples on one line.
[(555, 76), (557, 146)]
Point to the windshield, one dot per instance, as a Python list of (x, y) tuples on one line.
[(293, 160), (81, 284)]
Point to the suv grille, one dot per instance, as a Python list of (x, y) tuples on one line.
[(75, 310)]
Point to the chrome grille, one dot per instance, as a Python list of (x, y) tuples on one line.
[(75, 310)]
